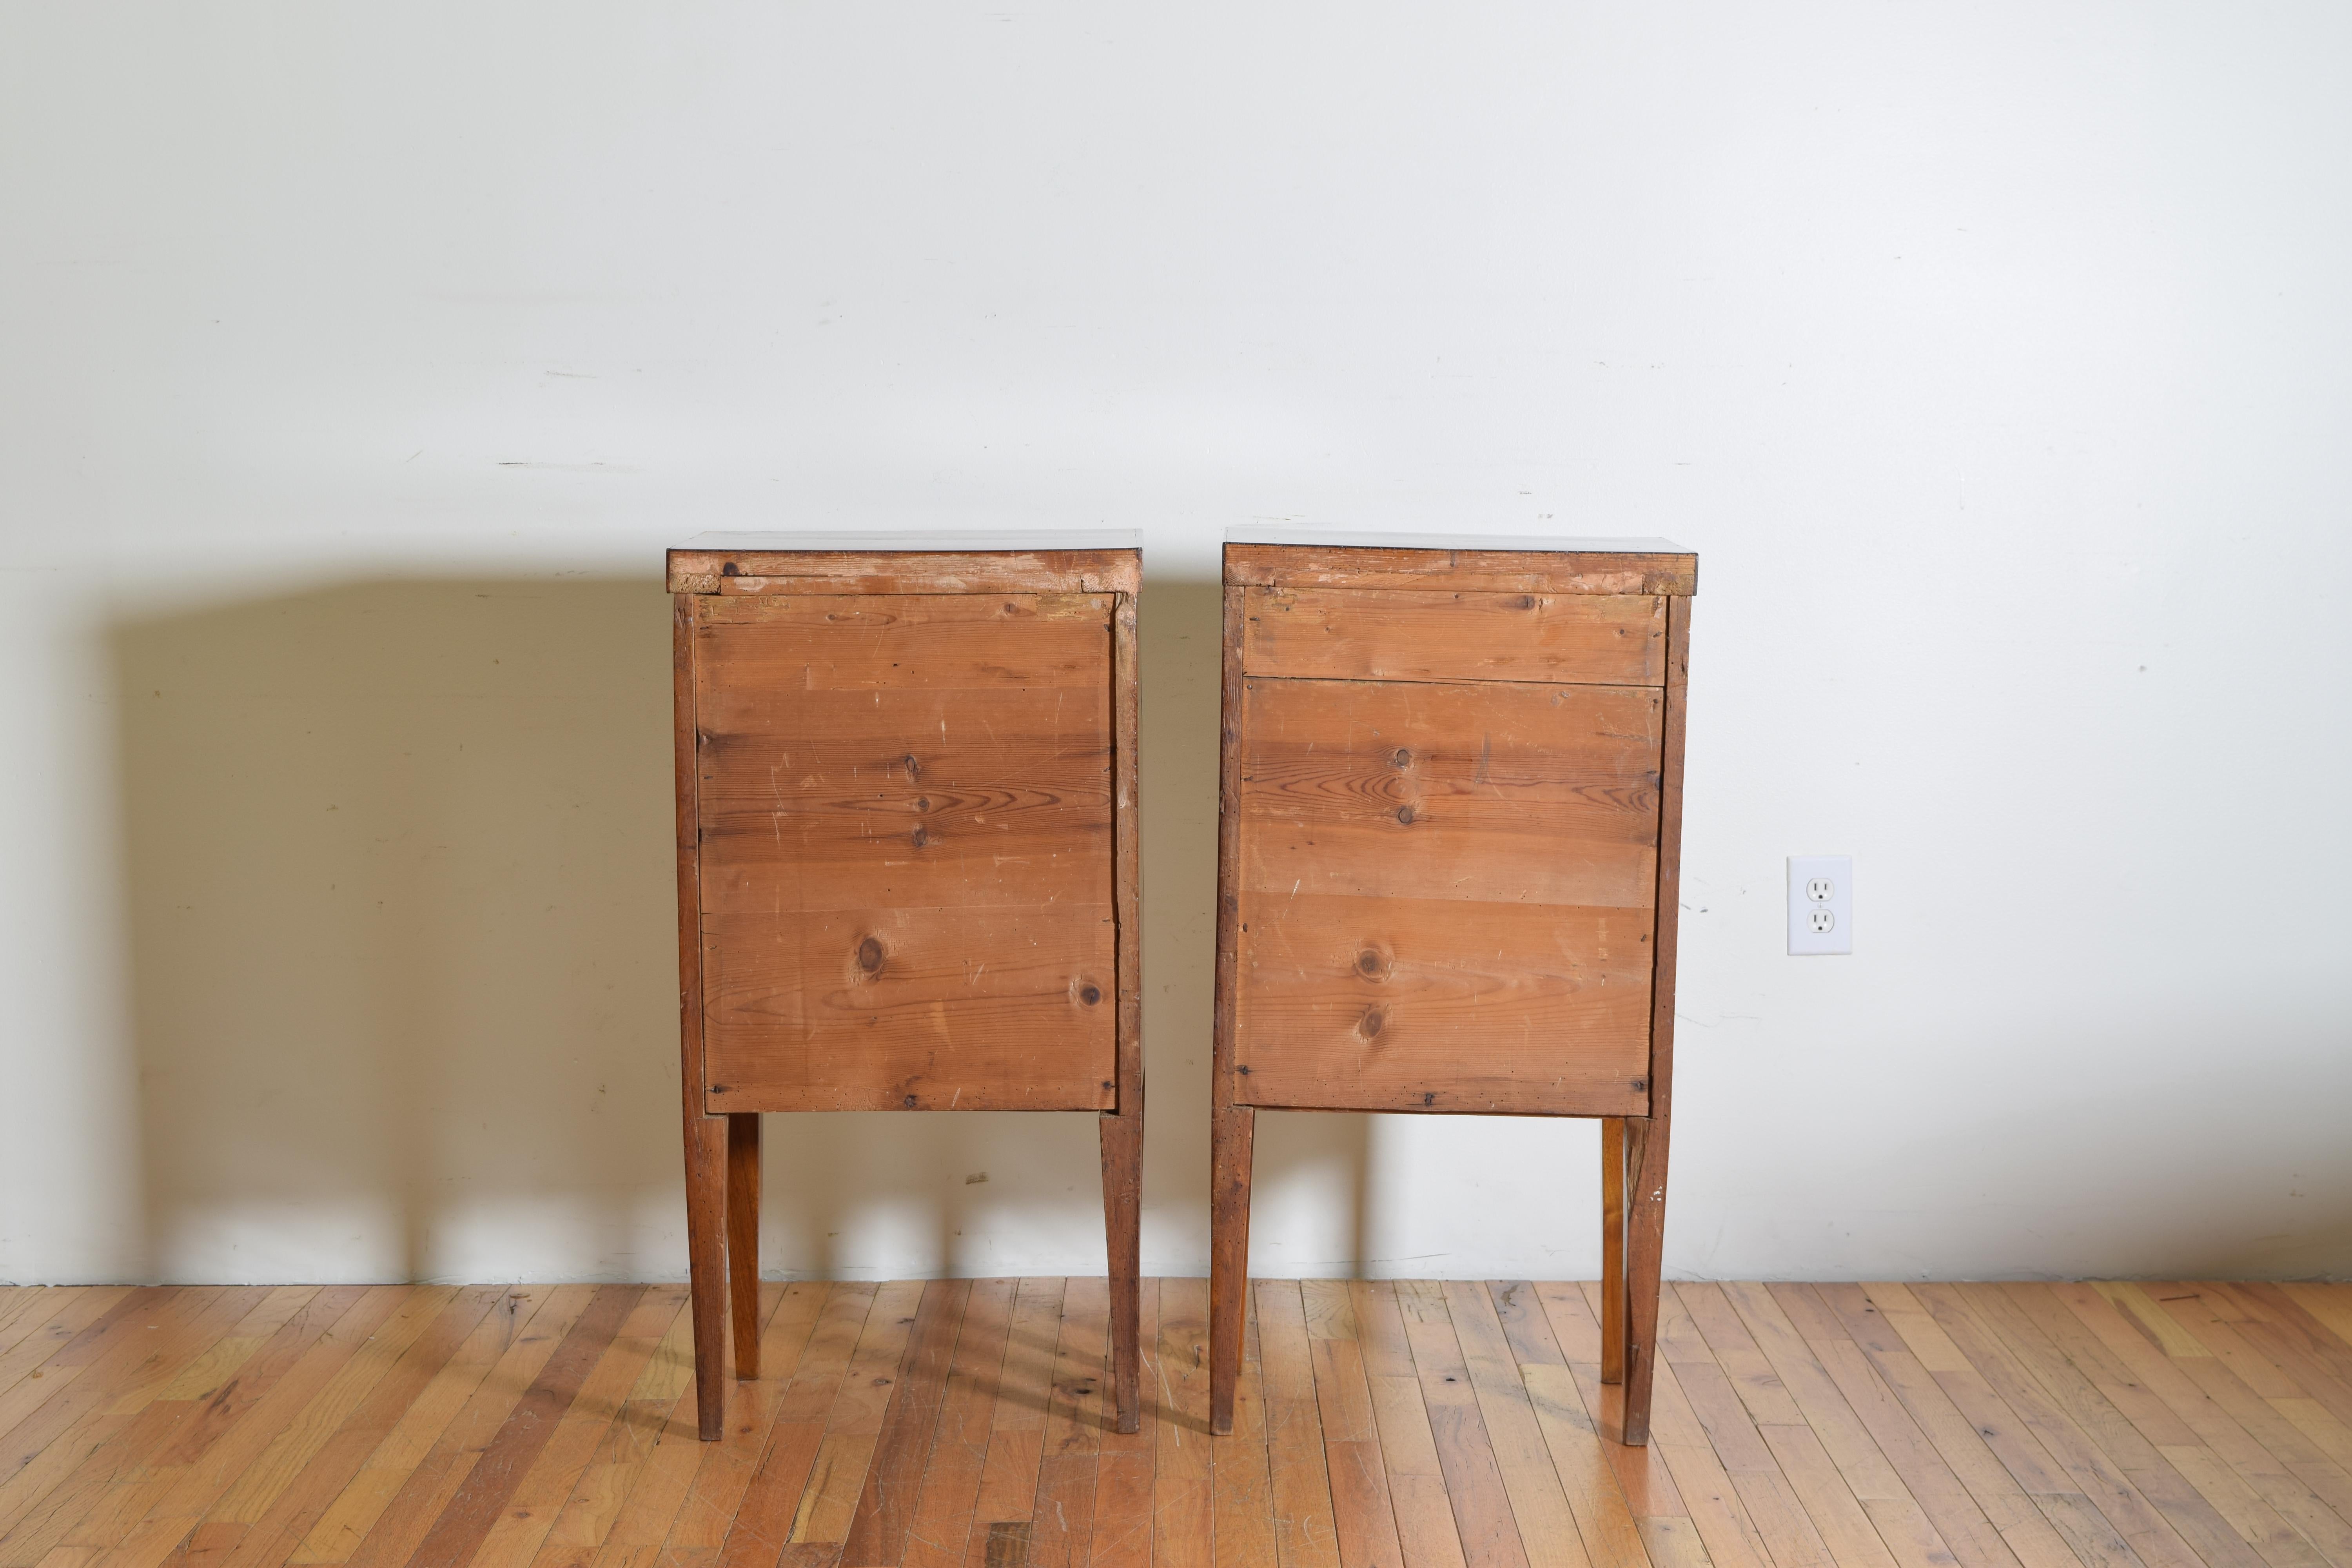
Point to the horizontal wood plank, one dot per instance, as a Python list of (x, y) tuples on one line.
[(875, 642), (911, 1009), (1358, 634), (1495, 794), (830, 800), (1606, 572), (1442, 1004), (889, 571)]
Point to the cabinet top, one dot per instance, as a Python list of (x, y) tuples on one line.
[(1275, 556), (921, 541), (1382, 538), (911, 561)]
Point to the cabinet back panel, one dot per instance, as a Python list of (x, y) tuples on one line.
[(1446, 895), (905, 841)]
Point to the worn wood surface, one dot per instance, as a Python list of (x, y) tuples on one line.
[(1402, 634), (1445, 878), (909, 879), (1489, 571), (913, 1009), (1649, 1138), (967, 1424), (1442, 1004), (1121, 1126), (704, 1136), (1231, 1123), (958, 563), (1445, 896), (743, 1239), (908, 852), (1492, 794)]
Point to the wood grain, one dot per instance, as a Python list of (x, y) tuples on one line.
[(1183, 1491), (1231, 1123), (1613, 1249), (908, 857), (934, 797), (743, 1239), (1470, 571), (1421, 1425), (1420, 635), (753, 654), (1410, 861), (754, 572), (1485, 794), (1442, 1004), (1649, 1140), (1121, 1129), (1305, 1532), (950, 1475), (891, 1009)]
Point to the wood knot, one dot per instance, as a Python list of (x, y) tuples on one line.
[(909, 1103), (1405, 815), (1528, 601), (1640, 1084), (1400, 758), (914, 769), (924, 804), (921, 836), (730, 570), (1368, 962), (869, 955), (1090, 994), (1372, 1024)]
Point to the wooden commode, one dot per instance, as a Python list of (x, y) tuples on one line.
[(907, 863), (1449, 833)]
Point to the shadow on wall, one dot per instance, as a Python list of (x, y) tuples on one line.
[(401, 906)]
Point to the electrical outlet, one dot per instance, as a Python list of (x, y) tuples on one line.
[(1821, 904)]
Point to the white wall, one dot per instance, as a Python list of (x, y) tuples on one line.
[(358, 362)]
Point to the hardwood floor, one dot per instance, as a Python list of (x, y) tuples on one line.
[(961, 1424)]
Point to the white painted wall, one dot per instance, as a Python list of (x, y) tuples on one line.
[(359, 360)]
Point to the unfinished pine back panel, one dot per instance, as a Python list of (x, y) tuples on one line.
[(907, 880), (1448, 849), (1449, 822), (907, 853)]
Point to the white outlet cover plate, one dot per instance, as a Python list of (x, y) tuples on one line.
[(1806, 906)]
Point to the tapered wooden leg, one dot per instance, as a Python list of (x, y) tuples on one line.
[(743, 1238), (1613, 1249), (706, 1245), (1122, 1172), (1233, 1131), (1645, 1228)]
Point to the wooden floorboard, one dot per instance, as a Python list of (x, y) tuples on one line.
[(968, 1425)]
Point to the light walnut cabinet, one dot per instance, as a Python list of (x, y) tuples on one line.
[(906, 864), (1450, 829)]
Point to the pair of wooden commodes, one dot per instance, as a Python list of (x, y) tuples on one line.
[(907, 854)]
